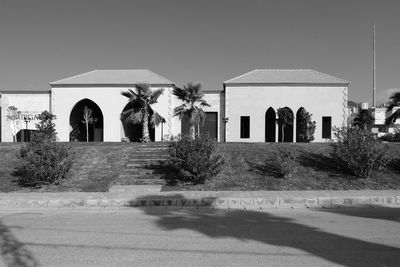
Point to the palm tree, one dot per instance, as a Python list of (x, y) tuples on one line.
[(394, 102), (192, 106), (363, 119), (285, 117), (88, 119), (142, 100)]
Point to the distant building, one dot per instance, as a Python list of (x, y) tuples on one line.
[(245, 110)]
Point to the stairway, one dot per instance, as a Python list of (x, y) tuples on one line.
[(144, 168)]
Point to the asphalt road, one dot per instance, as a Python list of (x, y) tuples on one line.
[(157, 237)]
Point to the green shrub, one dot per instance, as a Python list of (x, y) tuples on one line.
[(359, 153), (286, 161), (193, 161), (43, 161)]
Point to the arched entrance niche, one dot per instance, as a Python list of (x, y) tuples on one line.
[(134, 131), (78, 127), (270, 125), (287, 130), (299, 119)]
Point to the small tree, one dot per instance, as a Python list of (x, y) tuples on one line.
[(12, 116), (193, 104), (285, 117), (363, 119), (88, 119), (45, 128), (306, 126)]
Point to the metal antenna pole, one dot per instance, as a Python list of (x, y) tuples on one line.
[(374, 70)]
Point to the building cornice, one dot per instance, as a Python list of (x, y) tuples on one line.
[(286, 84), (106, 85)]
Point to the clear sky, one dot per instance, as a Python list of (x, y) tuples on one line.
[(200, 41)]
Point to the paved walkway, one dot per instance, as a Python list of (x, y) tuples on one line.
[(219, 199)]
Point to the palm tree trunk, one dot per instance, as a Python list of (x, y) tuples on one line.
[(198, 129), (145, 130), (192, 131), (283, 133), (87, 131)]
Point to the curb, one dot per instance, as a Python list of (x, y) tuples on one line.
[(165, 201)]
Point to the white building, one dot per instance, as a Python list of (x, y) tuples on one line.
[(252, 101), (244, 111)]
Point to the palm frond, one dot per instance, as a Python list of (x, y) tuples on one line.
[(204, 103), (180, 111), (136, 117), (155, 95), (392, 118), (394, 101), (156, 119)]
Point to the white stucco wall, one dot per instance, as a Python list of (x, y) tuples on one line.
[(215, 99), (111, 103), (254, 101), (27, 104)]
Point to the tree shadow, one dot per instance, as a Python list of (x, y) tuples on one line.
[(277, 231), (394, 165), (13, 252), (381, 213), (322, 163), (268, 168)]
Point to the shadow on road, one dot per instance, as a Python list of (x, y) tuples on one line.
[(277, 231), (381, 213), (13, 252)]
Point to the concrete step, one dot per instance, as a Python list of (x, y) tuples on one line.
[(147, 159), (145, 164), (135, 188), (144, 172), (152, 148), (141, 176), (141, 182)]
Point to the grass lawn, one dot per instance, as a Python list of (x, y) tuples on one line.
[(251, 167), (95, 167), (247, 167)]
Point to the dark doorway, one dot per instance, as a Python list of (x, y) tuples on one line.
[(134, 131), (287, 130), (210, 126), (78, 127), (327, 127), (270, 125), (25, 135)]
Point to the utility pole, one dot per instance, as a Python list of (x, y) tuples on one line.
[(374, 71)]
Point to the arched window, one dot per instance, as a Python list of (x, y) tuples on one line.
[(134, 131), (300, 120), (270, 125), (286, 129), (86, 130)]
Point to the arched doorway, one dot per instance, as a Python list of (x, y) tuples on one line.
[(300, 118), (134, 131), (287, 130), (95, 123), (270, 124)]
